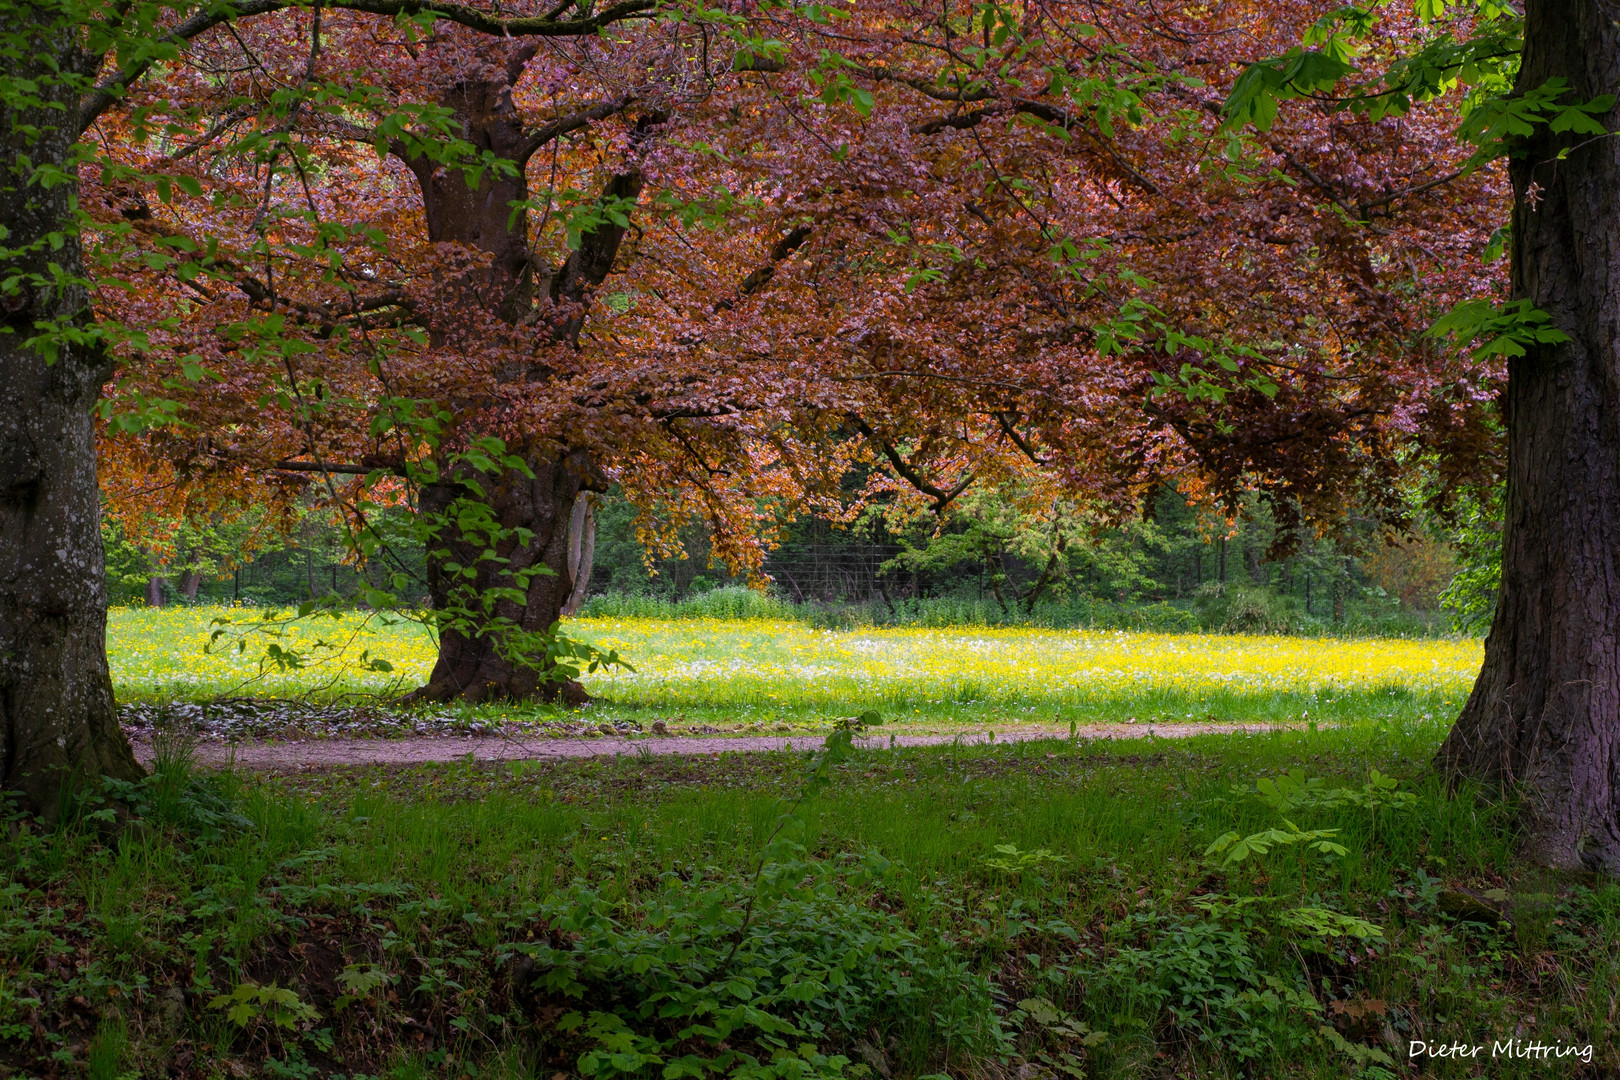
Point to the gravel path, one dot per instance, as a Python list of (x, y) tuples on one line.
[(324, 753)]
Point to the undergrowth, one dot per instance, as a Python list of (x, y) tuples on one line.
[(1305, 904)]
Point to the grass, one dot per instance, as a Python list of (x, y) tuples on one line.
[(765, 672), (1040, 909)]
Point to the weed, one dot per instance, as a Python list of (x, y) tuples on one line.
[(1060, 1039), (751, 977)]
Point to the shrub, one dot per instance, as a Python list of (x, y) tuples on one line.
[(699, 970), (751, 978)]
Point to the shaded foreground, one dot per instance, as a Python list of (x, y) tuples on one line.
[(1039, 909)]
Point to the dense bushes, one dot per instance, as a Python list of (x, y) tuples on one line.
[(1182, 570)]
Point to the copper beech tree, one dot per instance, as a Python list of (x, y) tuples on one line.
[(484, 261), (69, 106)]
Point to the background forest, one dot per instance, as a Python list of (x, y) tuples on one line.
[(1174, 568)]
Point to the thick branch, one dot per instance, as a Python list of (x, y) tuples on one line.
[(323, 317), (926, 87), (957, 121), (1050, 114), (563, 125), (758, 279), (1018, 440), (105, 94), (591, 263), (999, 383), (321, 467)]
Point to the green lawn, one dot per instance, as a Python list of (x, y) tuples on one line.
[(762, 672)]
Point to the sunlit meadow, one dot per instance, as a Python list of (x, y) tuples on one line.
[(715, 671)]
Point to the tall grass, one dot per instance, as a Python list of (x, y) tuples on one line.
[(1244, 610), (731, 602)]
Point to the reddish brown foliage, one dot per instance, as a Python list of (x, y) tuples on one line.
[(1023, 262)]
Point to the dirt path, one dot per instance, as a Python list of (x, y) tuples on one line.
[(324, 753)]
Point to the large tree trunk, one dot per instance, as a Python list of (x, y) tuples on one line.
[(1544, 717), (472, 664), (58, 723)]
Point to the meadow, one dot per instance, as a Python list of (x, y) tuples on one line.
[(760, 671)]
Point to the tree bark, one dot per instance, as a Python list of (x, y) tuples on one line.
[(482, 218), (1060, 544), (1544, 717), (581, 552), (996, 568), (58, 723), (471, 665), (154, 591)]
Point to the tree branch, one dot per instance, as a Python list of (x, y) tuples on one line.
[(757, 279), (112, 89), (321, 467), (925, 87), (870, 375), (1018, 440), (910, 473), (563, 125), (1416, 189)]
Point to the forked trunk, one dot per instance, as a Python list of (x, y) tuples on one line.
[(58, 723), (581, 551), (1544, 716)]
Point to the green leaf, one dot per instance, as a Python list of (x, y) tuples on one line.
[(1254, 96), (1503, 330)]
